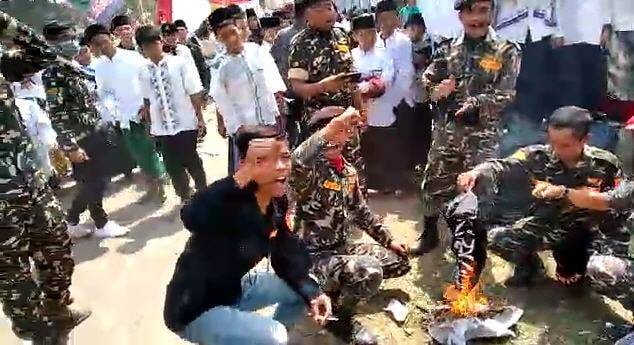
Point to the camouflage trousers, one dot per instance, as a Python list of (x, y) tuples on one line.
[(448, 157), (32, 227), (519, 243), (613, 277), (355, 272)]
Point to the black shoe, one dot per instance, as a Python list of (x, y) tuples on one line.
[(528, 274), (429, 240)]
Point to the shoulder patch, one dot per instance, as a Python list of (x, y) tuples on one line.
[(601, 154), (520, 155)]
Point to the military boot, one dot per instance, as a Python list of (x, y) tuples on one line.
[(527, 274), (429, 240), (60, 320)]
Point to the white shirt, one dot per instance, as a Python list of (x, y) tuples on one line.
[(119, 86), (399, 49), (241, 92), (33, 88), (186, 53), (620, 13), (376, 62), (168, 85), (513, 19), (272, 73), (440, 17), (582, 20), (38, 124)]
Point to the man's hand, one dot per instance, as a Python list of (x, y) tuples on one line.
[(333, 83), (466, 106), (222, 131), (342, 123), (252, 169), (321, 309), (548, 191), (557, 42), (444, 89), (77, 156), (399, 248), (466, 181), (202, 129)]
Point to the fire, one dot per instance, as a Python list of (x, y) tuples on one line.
[(468, 300)]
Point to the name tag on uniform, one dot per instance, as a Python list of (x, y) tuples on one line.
[(491, 64), (343, 48), (332, 186)]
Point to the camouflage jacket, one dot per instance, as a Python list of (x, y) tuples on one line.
[(18, 176), (599, 169), (71, 105), (329, 203), (622, 198), (315, 55), (485, 74)]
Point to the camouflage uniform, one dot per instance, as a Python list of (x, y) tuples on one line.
[(329, 204), (314, 56), (31, 220), (555, 225), (75, 119), (485, 74), (611, 270)]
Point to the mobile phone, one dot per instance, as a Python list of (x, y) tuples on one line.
[(353, 77)]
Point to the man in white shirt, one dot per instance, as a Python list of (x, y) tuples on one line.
[(582, 65), (399, 49), (174, 91), (270, 27), (122, 28), (169, 33), (379, 142), (534, 24), (238, 83), (118, 77)]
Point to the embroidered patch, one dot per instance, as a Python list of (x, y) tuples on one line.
[(343, 48), (332, 186), (491, 64), (519, 155)]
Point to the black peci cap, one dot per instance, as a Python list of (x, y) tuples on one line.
[(386, 6), (251, 13), (363, 21), (179, 23), (55, 28), (120, 20), (460, 5), (270, 22)]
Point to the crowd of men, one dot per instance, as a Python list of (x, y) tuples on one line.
[(336, 110)]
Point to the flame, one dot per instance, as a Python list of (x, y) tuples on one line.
[(468, 300)]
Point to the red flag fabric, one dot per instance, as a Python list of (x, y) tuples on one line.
[(163, 11)]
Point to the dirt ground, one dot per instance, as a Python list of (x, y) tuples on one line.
[(123, 280)]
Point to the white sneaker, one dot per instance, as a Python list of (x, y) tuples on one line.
[(111, 229), (78, 231)]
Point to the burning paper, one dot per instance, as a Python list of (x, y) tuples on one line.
[(459, 331)]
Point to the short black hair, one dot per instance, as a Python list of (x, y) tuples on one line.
[(54, 29), (249, 133), (147, 34), (94, 30), (574, 118), (179, 23)]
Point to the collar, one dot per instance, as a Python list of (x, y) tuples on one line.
[(490, 37), (554, 160), (324, 34)]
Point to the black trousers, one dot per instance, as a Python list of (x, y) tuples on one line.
[(180, 158), (582, 77), (92, 178), (383, 163), (537, 80)]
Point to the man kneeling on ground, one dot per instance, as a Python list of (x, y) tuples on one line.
[(329, 205), (235, 223)]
